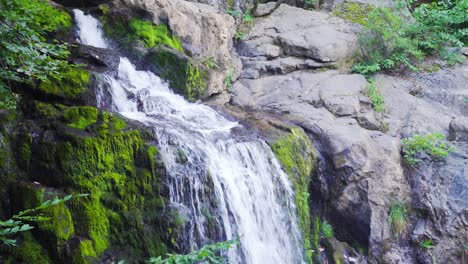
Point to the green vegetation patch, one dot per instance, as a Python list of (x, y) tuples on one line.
[(70, 84), (153, 35), (81, 116), (353, 12), (377, 99), (430, 144), (298, 157), (84, 253), (128, 31), (389, 41), (398, 217), (185, 76)]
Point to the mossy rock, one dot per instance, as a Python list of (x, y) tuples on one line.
[(185, 76), (298, 156), (82, 149), (130, 31), (70, 86), (353, 12)]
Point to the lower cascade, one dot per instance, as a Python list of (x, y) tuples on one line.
[(224, 183)]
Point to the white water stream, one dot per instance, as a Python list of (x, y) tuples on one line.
[(218, 179)]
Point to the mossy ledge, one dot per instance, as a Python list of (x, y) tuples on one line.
[(298, 156), (84, 150), (159, 49)]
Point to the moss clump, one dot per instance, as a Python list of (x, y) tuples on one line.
[(184, 76), (298, 156), (72, 83), (84, 253), (128, 31), (80, 117), (353, 12), (152, 35), (60, 226), (30, 251)]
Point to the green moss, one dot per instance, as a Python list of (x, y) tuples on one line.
[(353, 12), (45, 110), (152, 35), (185, 77), (94, 222), (30, 251), (60, 226), (84, 253), (80, 116), (111, 162), (128, 31), (72, 84), (23, 149), (298, 156)]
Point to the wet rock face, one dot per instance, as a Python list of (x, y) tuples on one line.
[(206, 33)]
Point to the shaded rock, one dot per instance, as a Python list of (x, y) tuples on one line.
[(458, 129), (95, 59), (205, 33)]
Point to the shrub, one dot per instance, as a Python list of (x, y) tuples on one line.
[(431, 144), (383, 43), (375, 96), (207, 254), (16, 224), (25, 55), (327, 229), (152, 35), (427, 244), (390, 42), (397, 217)]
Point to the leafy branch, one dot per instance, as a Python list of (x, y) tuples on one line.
[(17, 223)]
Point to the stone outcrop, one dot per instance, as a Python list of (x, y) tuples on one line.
[(285, 71)]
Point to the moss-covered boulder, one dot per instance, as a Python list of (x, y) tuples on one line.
[(160, 51), (298, 156), (58, 150), (185, 76)]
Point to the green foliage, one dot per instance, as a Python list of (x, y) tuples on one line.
[(389, 42), (25, 55), (210, 63), (239, 35), (196, 83), (397, 217), (451, 57), (427, 244), (327, 229), (207, 254), (228, 80), (247, 17), (8, 99), (16, 224), (375, 96), (298, 157), (431, 144), (440, 23), (383, 43), (153, 35)]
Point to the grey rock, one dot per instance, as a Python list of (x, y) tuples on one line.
[(307, 34), (458, 129)]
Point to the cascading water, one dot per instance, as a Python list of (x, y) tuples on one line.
[(218, 178)]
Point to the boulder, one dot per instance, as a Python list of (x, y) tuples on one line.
[(458, 129), (302, 33)]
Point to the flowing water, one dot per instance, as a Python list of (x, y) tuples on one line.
[(224, 182)]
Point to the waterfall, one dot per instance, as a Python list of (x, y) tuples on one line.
[(220, 176)]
